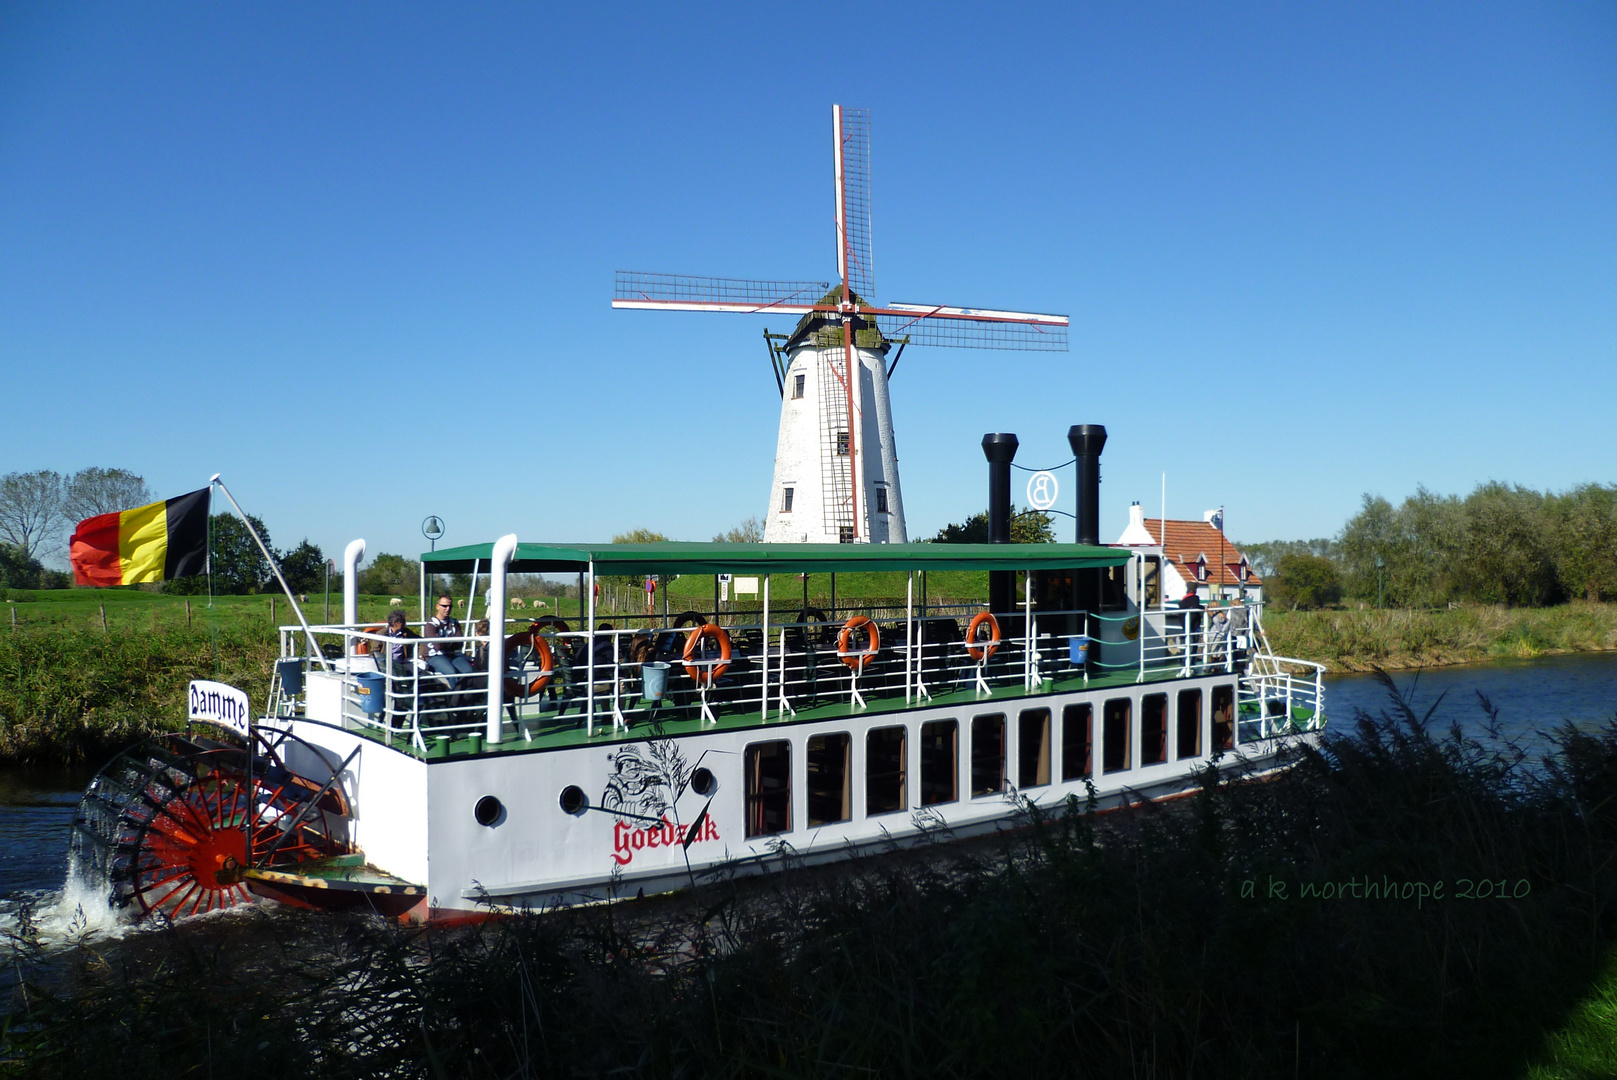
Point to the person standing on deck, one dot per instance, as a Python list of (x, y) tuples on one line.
[(1192, 602), (445, 657)]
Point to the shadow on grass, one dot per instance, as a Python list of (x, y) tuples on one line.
[(1402, 902)]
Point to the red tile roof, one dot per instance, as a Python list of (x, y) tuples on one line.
[(1187, 540)]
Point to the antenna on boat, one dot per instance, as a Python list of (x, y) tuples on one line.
[(836, 465)]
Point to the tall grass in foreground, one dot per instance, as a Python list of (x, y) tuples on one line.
[(70, 695), (1209, 937), (1357, 640)]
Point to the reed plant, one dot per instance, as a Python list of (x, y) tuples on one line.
[(1229, 934)]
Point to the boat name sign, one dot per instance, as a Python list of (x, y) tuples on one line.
[(217, 703)]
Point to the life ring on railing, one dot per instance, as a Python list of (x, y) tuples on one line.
[(363, 647), (708, 676), (858, 660), (991, 645), (532, 638)]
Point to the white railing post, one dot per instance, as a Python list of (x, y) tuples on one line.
[(589, 643), (763, 669), (350, 582), (504, 548)]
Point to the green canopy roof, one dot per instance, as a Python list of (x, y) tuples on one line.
[(688, 558)]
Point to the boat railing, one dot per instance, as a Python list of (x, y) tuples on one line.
[(566, 677)]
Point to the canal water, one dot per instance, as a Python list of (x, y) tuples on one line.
[(1532, 697)]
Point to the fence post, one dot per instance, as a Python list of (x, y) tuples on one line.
[(103, 618)]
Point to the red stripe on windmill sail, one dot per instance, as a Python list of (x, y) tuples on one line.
[(155, 542)]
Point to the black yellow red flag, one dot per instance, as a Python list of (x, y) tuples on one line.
[(156, 542)]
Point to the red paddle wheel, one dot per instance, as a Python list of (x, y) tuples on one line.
[(168, 820)]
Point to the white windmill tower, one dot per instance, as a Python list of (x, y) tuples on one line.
[(836, 463)]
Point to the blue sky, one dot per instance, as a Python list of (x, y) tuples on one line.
[(358, 258)]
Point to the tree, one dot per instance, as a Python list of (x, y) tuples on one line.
[(31, 510), (93, 491), (304, 568), (750, 531), (1585, 540), (640, 536), (18, 569), (1031, 527), (237, 566), (1304, 581), (391, 575)]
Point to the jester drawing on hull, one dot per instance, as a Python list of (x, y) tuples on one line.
[(645, 779)]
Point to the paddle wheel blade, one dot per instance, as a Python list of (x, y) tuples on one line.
[(165, 825)]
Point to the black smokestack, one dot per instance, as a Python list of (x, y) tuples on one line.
[(1087, 441), (999, 448)]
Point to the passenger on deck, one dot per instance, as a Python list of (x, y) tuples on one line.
[(446, 657), (1192, 602), (400, 657)]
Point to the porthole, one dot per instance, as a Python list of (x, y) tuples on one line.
[(703, 782), (573, 799), (488, 810)]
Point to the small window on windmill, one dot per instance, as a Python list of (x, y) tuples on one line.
[(786, 500), (881, 499), (844, 534), (797, 385), (842, 444)]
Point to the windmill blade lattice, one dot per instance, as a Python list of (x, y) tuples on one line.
[(962, 333), (853, 190), (637, 289)]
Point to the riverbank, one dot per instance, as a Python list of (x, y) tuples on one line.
[(1395, 639)]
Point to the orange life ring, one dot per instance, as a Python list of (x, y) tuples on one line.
[(858, 660), (992, 645), (362, 647), (530, 636), (708, 676)]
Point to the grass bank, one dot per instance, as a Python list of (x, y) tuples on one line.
[(1233, 934), (1357, 640)]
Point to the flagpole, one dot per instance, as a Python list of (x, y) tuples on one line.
[(314, 646)]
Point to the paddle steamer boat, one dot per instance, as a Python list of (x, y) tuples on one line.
[(630, 755)]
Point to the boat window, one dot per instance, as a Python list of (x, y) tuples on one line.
[(1151, 575), (987, 754), (940, 761), (1116, 720), (1190, 723), (786, 501), (797, 386), (1223, 718), (1114, 588), (1153, 729), (1076, 725), (886, 771), (829, 794), (769, 788), (1033, 748)]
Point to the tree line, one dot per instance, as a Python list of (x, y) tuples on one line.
[(1502, 544)]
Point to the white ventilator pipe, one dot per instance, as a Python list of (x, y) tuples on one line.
[(351, 557), (504, 548)]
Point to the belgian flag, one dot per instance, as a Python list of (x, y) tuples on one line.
[(156, 542)]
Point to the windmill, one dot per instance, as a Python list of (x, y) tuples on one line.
[(832, 369)]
